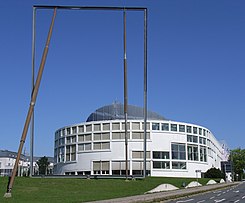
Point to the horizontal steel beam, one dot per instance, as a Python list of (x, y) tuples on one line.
[(90, 8)]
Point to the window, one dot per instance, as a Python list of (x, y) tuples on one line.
[(101, 167), (174, 127), (84, 138), (74, 130), (88, 128), (101, 136), (181, 128), (140, 155), (135, 126), (147, 126), (178, 151), (84, 147), (188, 129), (200, 131), (165, 126), (128, 126), (155, 126), (101, 145), (204, 132), (160, 155), (115, 126), (192, 138), (71, 153), (140, 135), (81, 128), (97, 127), (178, 165), (192, 152), (119, 167), (68, 130), (161, 164), (202, 140), (63, 132), (203, 154), (194, 130), (118, 135)]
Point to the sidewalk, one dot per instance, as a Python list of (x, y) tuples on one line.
[(161, 196)]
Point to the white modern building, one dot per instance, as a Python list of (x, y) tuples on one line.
[(97, 146), (7, 162)]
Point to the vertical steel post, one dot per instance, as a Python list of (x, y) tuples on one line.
[(125, 93), (145, 89), (33, 82), (31, 107)]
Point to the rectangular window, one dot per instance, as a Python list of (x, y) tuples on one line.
[(115, 126), (192, 152), (178, 165), (178, 151), (155, 126), (194, 130), (192, 138), (128, 126), (140, 135), (74, 130), (88, 128), (161, 164), (84, 138), (80, 128), (203, 154), (118, 135), (68, 130), (160, 155), (165, 127), (200, 131), (101, 145), (188, 129), (140, 155), (135, 126), (97, 127), (174, 127), (147, 126), (181, 128)]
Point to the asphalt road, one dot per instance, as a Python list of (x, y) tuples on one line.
[(232, 194)]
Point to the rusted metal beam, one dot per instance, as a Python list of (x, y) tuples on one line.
[(32, 104)]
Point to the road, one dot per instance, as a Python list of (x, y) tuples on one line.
[(232, 194)]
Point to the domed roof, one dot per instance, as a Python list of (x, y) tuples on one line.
[(116, 111)]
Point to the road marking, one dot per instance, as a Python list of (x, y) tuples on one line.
[(211, 197), (218, 195), (220, 200), (236, 191), (243, 197), (201, 201), (237, 201), (188, 200)]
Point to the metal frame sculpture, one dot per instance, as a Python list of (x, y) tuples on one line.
[(35, 86)]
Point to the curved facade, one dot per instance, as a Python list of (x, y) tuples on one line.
[(97, 146)]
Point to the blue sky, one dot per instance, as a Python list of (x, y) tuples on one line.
[(196, 65)]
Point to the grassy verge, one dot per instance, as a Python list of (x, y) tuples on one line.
[(80, 190)]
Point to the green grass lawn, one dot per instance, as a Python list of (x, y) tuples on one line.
[(64, 190)]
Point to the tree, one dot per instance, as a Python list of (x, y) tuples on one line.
[(43, 165), (214, 173), (237, 157)]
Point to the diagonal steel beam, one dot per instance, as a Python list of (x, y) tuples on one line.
[(32, 104)]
